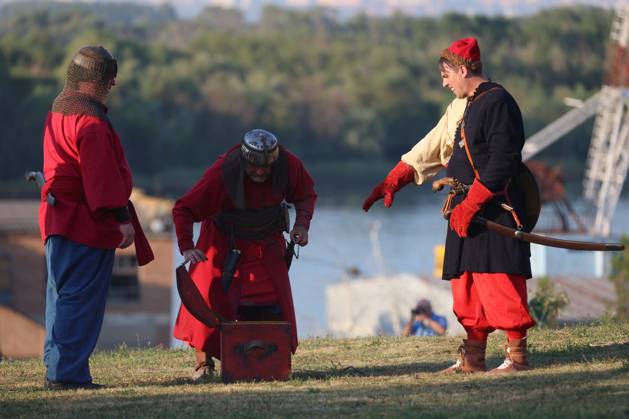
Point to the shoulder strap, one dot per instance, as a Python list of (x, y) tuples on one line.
[(467, 150), (280, 172), (233, 174), (464, 137)]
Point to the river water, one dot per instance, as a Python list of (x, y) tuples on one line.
[(346, 242)]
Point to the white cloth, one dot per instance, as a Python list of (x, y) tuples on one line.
[(434, 150)]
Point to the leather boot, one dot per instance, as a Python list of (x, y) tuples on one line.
[(516, 359), (472, 358), (204, 367)]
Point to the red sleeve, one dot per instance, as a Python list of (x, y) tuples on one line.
[(300, 191), (205, 199), (103, 182)]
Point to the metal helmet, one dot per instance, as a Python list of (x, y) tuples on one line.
[(91, 64), (260, 147)]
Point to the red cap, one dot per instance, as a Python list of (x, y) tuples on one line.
[(463, 51)]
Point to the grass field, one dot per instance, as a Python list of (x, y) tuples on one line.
[(581, 371)]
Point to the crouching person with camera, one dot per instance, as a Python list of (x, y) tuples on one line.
[(424, 322)]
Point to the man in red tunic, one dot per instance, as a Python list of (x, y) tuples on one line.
[(87, 174), (238, 202)]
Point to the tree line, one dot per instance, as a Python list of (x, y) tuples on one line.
[(348, 96)]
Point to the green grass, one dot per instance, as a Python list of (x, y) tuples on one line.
[(581, 371)]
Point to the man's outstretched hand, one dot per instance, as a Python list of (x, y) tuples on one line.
[(401, 175), (379, 192)]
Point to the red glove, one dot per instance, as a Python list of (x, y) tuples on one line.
[(401, 175), (462, 214)]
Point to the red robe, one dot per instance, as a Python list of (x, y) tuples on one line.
[(86, 171), (208, 197)]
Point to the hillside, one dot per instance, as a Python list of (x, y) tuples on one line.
[(581, 372), (347, 96)]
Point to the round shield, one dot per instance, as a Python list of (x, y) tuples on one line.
[(526, 182)]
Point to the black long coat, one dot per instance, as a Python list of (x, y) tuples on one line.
[(495, 136)]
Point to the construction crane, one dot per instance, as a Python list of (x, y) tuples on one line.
[(608, 156)]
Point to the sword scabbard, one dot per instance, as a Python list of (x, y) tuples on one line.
[(548, 241)]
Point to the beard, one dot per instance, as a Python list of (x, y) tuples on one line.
[(258, 179)]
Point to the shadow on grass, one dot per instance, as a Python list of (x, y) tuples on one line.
[(337, 371), (577, 354), (583, 354), (548, 358), (369, 371), (580, 354), (574, 354), (565, 394)]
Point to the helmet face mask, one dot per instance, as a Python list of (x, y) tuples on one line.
[(259, 148), (94, 65)]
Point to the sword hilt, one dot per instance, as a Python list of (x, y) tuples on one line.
[(38, 178)]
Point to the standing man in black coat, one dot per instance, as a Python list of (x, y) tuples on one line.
[(487, 272)]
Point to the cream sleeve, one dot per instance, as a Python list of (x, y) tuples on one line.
[(433, 151)]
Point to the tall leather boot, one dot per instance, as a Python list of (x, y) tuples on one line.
[(472, 358), (516, 359)]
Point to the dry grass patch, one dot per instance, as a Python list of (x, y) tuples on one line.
[(580, 371)]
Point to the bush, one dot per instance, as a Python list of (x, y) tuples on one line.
[(547, 303)]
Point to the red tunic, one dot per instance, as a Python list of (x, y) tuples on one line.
[(260, 259), (87, 172)]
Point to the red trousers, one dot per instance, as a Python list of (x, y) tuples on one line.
[(484, 302)]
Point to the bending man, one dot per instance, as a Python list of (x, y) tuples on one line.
[(238, 201)]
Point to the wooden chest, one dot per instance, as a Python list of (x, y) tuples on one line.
[(252, 351)]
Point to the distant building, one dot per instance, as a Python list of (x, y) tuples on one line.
[(138, 308)]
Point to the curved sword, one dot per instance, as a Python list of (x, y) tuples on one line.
[(501, 229), (193, 301), (545, 240)]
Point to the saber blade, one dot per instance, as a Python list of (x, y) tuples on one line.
[(548, 241), (193, 301)]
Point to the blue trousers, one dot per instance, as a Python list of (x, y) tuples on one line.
[(76, 294)]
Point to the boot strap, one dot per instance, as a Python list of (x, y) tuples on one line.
[(209, 364)]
